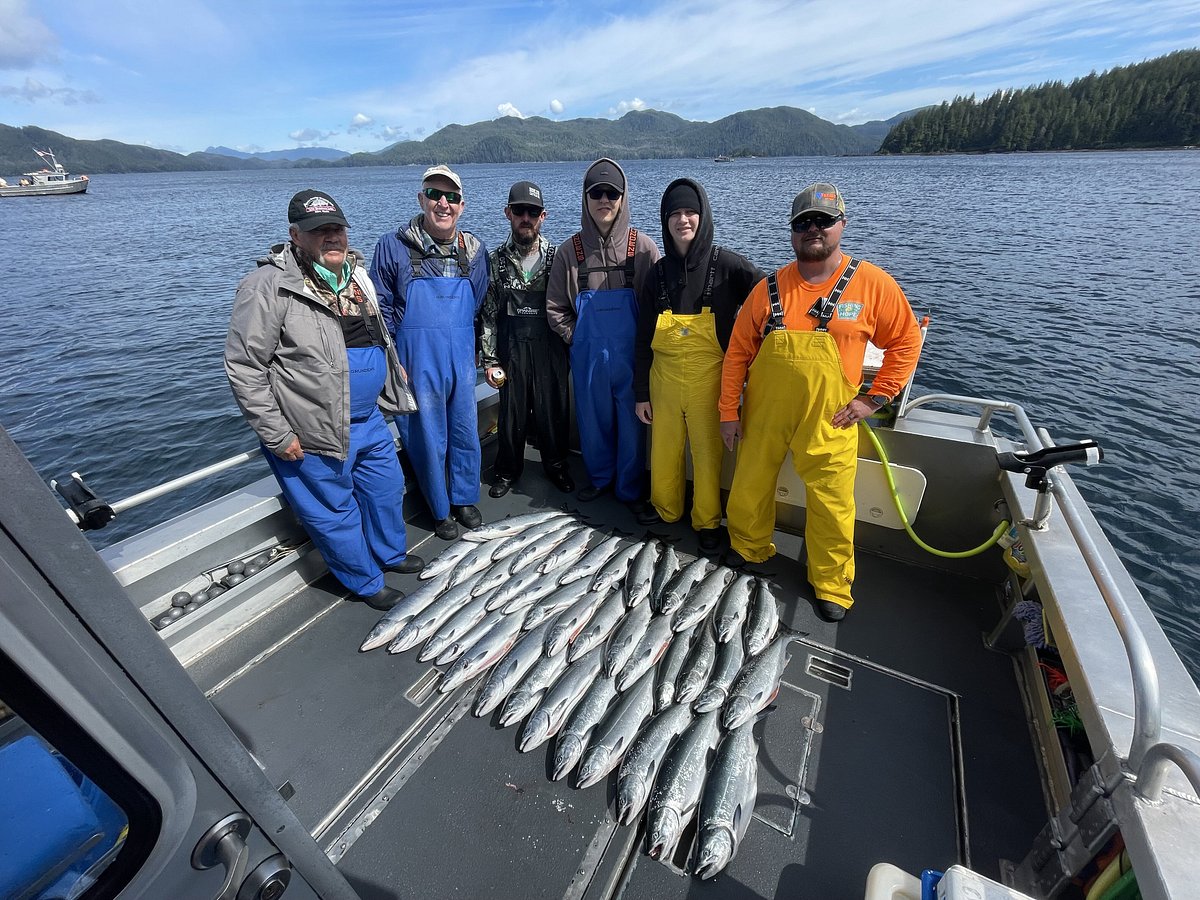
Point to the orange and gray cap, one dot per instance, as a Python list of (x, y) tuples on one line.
[(821, 197)]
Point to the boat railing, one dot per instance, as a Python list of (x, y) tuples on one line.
[(1148, 757)]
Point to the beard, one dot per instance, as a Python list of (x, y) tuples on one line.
[(525, 239), (812, 251)]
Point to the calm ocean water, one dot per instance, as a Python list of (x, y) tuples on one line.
[(1069, 283)]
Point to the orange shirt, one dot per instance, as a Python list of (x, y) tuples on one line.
[(872, 308)]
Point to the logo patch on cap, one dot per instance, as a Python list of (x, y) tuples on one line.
[(318, 205), (826, 196)]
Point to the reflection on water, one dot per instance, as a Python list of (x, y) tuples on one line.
[(1066, 282)]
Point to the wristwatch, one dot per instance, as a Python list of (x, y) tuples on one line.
[(878, 400)]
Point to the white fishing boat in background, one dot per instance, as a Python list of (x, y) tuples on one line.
[(45, 182)]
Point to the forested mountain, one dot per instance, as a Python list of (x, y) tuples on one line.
[(87, 157), (641, 134), (1151, 104), (293, 154)]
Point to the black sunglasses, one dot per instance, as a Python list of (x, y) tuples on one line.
[(436, 194), (526, 212), (823, 222), (598, 193)]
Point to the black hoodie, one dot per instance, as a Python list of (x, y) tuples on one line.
[(682, 279)]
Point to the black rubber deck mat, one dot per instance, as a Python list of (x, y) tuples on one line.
[(479, 819)]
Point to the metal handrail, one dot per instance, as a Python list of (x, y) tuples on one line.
[(1147, 706), (1153, 772)]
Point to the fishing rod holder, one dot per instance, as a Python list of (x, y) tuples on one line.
[(1035, 465), (89, 510)]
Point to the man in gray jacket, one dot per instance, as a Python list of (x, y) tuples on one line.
[(310, 362)]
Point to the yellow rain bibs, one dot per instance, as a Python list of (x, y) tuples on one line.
[(685, 384), (794, 386)]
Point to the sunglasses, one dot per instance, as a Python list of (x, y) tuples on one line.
[(603, 193), (436, 194), (822, 222), (526, 212)]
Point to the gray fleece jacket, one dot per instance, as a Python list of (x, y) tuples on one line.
[(285, 356), (607, 250)]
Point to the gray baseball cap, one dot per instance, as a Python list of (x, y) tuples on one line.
[(820, 197)]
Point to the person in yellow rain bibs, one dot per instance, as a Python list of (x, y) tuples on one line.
[(692, 299), (797, 347)]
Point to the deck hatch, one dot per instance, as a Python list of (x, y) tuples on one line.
[(422, 689), (828, 671)]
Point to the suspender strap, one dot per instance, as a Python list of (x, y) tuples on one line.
[(664, 302), (584, 271), (825, 307), (630, 249), (775, 320), (577, 240), (711, 278), (464, 266)]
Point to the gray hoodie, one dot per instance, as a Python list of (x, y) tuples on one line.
[(598, 251)]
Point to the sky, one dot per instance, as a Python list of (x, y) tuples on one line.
[(184, 75)]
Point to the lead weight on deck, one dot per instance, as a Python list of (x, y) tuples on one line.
[(263, 559), (183, 598), (251, 570), (236, 567), (232, 580)]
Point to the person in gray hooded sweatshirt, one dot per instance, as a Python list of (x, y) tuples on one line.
[(694, 294), (597, 279)]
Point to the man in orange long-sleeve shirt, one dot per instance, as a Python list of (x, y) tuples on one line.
[(797, 347)]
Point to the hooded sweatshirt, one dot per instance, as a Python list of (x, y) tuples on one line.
[(598, 251), (681, 279)]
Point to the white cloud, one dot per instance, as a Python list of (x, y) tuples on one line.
[(308, 135), (33, 91), (713, 58), (507, 109), (24, 38), (556, 107), (626, 105), (360, 121)]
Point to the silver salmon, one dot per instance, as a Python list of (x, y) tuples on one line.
[(532, 688), (728, 801), (649, 650), (599, 627), (698, 665), (625, 638), (640, 575), (559, 701), (730, 657), (512, 667), (593, 562), (671, 666), (640, 766), (430, 619), (573, 737), (664, 571), (512, 525), (404, 612), (762, 622), (732, 608), (676, 794), (571, 622), (611, 738), (756, 685), (488, 650), (677, 589), (702, 599)]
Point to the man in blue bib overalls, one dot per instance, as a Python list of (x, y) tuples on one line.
[(432, 278), (310, 362), (592, 304)]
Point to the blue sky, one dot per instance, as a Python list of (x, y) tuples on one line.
[(263, 74)]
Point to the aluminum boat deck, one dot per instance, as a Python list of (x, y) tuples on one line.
[(898, 737)]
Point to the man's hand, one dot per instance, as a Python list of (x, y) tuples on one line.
[(490, 374), (731, 432), (644, 412), (853, 412), (292, 452)]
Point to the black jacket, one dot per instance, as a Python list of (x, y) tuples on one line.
[(677, 283)]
